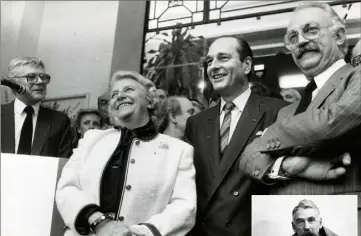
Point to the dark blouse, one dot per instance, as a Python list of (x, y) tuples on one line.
[(113, 178)]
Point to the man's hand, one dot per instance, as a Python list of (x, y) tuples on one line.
[(112, 228), (312, 169)]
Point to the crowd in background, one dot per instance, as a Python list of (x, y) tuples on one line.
[(151, 161)]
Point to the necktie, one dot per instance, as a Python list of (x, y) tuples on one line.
[(307, 98), (26, 132), (225, 128)]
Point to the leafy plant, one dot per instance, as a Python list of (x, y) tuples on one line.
[(174, 67)]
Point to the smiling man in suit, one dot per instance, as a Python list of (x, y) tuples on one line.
[(26, 126), (326, 122), (219, 135)]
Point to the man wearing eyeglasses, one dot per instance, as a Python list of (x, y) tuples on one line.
[(324, 124), (27, 127), (356, 54)]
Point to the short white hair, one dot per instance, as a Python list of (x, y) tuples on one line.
[(23, 61), (336, 19), (127, 74)]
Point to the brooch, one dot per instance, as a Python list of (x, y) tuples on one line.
[(163, 145)]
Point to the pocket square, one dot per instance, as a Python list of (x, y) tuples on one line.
[(259, 133)]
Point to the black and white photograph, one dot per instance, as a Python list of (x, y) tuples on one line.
[(165, 117), (304, 215)]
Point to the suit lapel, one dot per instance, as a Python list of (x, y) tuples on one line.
[(251, 115), (329, 86), (41, 131), (212, 138), (8, 128)]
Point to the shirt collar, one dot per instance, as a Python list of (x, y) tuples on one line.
[(19, 107), (239, 102), (322, 78)]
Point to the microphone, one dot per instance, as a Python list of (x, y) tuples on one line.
[(18, 88)]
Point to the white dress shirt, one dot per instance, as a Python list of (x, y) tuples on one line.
[(322, 78), (320, 81), (19, 116), (240, 103)]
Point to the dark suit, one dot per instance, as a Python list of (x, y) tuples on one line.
[(330, 126), (53, 136), (223, 191)]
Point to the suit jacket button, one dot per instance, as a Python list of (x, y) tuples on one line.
[(268, 146), (254, 120), (128, 187), (278, 144), (137, 142), (235, 193), (132, 161), (228, 224), (273, 145), (121, 218), (256, 172)]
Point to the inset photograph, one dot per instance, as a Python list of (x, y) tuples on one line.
[(304, 215)]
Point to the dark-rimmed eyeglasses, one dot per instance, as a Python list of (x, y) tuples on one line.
[(310, 31), (356, 60), (32, 78)]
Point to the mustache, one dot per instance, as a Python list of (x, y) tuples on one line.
[(305, 49), (308, 233)]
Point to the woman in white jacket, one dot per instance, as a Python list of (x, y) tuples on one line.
[(128, 180)]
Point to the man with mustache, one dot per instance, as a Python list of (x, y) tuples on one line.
[(307, 221), (26, 126), (325, 123)]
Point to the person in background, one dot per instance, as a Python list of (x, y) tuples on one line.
[(173, 114), (87, 119), (28, 127), (307, 220), (162, 95), (128, 180), (356, 54), (103, 103), (214, 99), (290, 95), (198, 107)]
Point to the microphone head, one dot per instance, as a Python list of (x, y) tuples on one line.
[(18, 88)]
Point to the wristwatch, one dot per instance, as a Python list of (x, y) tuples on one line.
[(101, 219)]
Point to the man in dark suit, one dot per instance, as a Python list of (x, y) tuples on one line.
[(26, 126), (326, 122), (219, 135)]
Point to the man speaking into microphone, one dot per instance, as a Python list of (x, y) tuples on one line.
[(26, 126)]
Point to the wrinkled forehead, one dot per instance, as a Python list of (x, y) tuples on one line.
[(127, 82), (305, 213), (307, 15), (223, 45)]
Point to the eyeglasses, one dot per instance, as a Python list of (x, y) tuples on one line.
[(32, 78), (310, 31), (356, 61)]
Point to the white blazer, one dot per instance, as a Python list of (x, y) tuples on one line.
[(160, 172)]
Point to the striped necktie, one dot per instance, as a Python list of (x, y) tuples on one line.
[(226, 125)]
